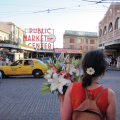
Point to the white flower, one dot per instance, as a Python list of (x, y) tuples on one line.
[(90, 71), (58, 83), (47, 76), (81, 72), (72, 69), (63, 68), (77, 72), (49, 72)]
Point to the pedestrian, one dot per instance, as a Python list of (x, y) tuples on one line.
[(118, 62), (112, 61), (1, 62), (7, 61), (94, 67)]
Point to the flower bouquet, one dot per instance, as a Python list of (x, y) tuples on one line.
[(61, 74)]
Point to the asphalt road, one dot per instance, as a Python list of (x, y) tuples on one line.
[(20, 98)]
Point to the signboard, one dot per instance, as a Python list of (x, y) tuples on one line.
[(39, 38), (67, 51), (82, 33)]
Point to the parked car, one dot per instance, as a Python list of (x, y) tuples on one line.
[(33, 67), (45, 59)]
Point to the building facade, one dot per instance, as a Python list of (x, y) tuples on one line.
[(80, 40), (4, 34), (16, 33), (109, 31)]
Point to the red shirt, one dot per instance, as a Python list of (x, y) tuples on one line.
[(78, 96)]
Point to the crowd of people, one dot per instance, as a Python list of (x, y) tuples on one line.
[(113, 62), (7, 62)]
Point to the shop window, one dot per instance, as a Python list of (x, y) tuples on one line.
[(82, 41), (92, 41), (100, 33), (110, 27), (86, 41), (110, 11), (71, 46), (72, 40), (105, 31), (92, 47), (86, 48), (117, 23)]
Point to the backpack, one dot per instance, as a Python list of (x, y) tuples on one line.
[(89, 109)]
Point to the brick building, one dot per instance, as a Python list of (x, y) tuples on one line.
[(80, 40), (109, 31)]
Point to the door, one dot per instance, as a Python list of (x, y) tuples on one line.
[(15, 68), (28, 67)]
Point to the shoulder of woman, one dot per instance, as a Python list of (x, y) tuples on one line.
[(111, 95), (73, 84)]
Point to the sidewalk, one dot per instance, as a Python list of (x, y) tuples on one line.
[(113, 69)]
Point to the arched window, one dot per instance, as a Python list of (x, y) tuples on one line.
[(110, 27), (100, 32), (105, 31), (117, 23)]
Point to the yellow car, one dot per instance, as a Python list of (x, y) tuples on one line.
[(33, 67)]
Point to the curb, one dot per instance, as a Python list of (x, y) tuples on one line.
[(113, 69)]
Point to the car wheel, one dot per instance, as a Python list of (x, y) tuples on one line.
[(37, 73)]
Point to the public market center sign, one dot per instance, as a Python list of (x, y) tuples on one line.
[(40, 38)]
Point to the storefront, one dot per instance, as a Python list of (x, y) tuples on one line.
[(76, 53)]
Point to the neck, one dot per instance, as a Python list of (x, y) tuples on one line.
[(95, 79)]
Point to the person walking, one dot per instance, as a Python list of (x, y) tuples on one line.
[(112, 61), (7, 61), (94, 66), (118, 62), (1, 62)]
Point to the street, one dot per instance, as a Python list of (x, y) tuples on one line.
[(21, 99)]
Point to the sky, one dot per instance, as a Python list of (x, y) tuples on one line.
[(76, 15)]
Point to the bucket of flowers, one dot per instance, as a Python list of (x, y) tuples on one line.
[(61, 74)]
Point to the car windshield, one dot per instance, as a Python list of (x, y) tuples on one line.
[(46, 59), (40, 61)]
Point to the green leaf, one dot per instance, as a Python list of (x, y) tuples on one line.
[(45, 66), (44, 88), (54, 66), (76, 63), (77, 78), (57, 65), (45, 91), (42, 75), (62, 57), (73, 61)]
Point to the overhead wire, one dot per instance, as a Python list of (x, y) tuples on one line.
[(16, 13)]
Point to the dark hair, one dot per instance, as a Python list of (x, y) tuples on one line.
[(96, 60)]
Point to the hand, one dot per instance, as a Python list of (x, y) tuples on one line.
[(61, 97)]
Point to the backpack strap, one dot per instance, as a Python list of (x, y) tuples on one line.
[(86, 93), (99, 94)]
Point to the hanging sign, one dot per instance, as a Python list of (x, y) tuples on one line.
[(40, 38)]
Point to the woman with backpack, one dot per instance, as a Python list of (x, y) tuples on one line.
[(88, 100)]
